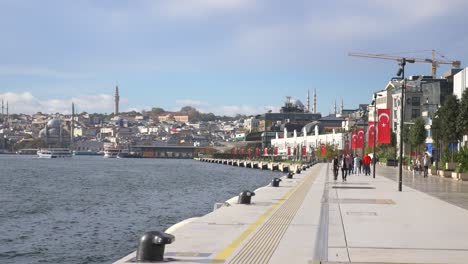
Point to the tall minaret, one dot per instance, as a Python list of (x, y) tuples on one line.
[(342, 105), (315, 101), (308, 100), (7, 116), (72, 126), (116, 101), (3, 115), (334, 107)]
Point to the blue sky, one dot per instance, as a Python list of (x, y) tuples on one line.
[(222, 56)]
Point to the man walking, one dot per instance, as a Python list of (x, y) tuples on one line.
[(366, 160), (426, 162), (344, 169), (336, 166), (356, 164)]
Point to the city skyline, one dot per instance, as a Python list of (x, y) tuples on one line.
[(225, 57)]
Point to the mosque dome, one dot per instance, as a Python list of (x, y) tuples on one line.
[(54, 123)]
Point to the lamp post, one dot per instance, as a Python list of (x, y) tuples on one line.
[(401, 72), (430, 115)]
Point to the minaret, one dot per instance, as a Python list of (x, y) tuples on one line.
[(7, 116), (72, 126), (334, 108), (308, 100), (315, 101), (342, 106), (116, 100), (3, 115)]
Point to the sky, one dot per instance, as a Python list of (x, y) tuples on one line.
[(222, 56)]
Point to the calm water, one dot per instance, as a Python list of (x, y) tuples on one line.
[(93, 210)]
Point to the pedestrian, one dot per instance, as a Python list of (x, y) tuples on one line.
[(426, 161), (360, 166), (356, 164), (344, 169), (366, 160), (336, 166), (349, 163)]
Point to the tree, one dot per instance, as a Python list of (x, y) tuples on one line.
[(448, 117), (157, 110), (417, 133), (463, 114)]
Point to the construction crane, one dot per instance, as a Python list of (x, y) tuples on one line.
[(433, 61)]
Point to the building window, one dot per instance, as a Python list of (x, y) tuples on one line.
[(415, 113), (416, 101)]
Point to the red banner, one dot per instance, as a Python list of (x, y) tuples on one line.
[(235, 151), (265, 151), (276, 151), (242, 152), (304, 151), (249, 152), (383, 132), (257, 151), (323, 149), (370, 134), (354, 140), (289, 151), (360, 138)]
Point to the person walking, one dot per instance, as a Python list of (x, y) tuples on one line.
[(336, 166), (366, 160), (349, 163), (425, 162), (344, 169), (356, 164)]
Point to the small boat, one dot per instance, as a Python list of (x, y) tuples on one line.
[(51, 153), (115, 153)]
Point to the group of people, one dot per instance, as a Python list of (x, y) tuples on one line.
[(350, 164), (421, 164)]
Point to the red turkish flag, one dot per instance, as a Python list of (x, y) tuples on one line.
[(289, 151), (323, 150), (276, 151), (354, 139), (346, 148), (370, 133), (235, 151), (242, 152), (265, 152), (383, 131), (249, 152), (257, 151), (360, 138), (304, 151)]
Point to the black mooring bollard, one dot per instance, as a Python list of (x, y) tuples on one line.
[(275, 182), (151, 246), (245, 196), (290, 175)]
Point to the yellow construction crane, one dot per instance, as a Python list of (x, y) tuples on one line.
[(433, 61)]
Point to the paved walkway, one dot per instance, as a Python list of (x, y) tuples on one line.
[(314, 219)]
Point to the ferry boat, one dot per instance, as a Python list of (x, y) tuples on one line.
[(111, 153), (51, 153)]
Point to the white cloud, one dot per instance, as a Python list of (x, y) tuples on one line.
[(26, 102), (200, 8)]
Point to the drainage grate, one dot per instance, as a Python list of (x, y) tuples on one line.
[(361, 213), (352, 187)]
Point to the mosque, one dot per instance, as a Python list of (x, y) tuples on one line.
[(55, 134)]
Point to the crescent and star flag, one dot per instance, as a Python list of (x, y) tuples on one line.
[(289, 151), (235, 151), (242, 152), (257, 151), (383, 126), (360, 138), (346, 144), (275, 151), (323, 149), (304, 151), (353, 140), (265, 151), (249, 152), (370, 133)]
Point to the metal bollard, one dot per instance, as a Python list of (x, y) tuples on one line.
[(151, 246), (245, 196), (290, 175), (275, 182)]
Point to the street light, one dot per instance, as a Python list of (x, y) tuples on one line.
[(401, 72), (430, 113), (374, 103)]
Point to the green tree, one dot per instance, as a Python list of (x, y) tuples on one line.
[(448, 115), (417, 134), (463, 114)]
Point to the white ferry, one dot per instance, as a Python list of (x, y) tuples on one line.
[(51, 153), (111, 153)]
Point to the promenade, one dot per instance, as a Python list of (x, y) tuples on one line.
[(313, 219)]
